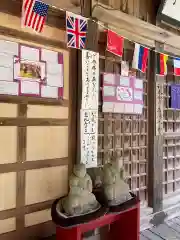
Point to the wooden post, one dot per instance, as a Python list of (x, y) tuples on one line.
[(155, 166), (91, 44)]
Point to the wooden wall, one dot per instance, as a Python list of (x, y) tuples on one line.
[(35, 148), (145, 10)]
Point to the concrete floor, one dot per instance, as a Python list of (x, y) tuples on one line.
[(169, 230)]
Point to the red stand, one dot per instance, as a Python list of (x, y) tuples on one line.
[(123, 226)]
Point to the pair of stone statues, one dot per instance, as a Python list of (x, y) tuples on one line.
[(81, 200)]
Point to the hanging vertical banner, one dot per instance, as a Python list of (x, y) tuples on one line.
[(89, 108), (89, 137), (115, 43), (90, 80), (174, 96), (161, 67), (76, 29), (140, 58), (124, 69)]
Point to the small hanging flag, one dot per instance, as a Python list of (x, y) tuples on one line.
[(76, 29), (161, 66), (140, 57), (115, 43), (34, 14), (177, 66)]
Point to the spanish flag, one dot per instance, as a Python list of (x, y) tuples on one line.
[(161, 67)]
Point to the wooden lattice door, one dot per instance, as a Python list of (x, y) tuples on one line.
[(171, 130), (125, 136)]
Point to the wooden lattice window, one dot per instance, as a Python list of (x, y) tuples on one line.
[(125, 136), (171, 153)]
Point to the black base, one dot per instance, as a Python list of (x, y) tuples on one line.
[(118, 208), (74, 221)]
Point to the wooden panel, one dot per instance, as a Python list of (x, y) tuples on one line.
[(8, 144), (47, 112), (8, 191), (15, 23), (7, 225), (40, 139), (46, 184), (37, 217), (8, 110), (125, 136)]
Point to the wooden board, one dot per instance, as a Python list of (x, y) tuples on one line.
[(41, 144), (51, 187)]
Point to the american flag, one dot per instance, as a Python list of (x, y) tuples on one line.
[(76, 28), (34, 14)]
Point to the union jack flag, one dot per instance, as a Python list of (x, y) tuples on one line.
[(76, 28)]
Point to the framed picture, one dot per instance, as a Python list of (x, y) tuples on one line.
[(29, 70), (169, 12)]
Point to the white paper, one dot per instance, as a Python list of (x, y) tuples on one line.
[(55, 80), (138, 108), (49, 56), (139, 83), (54, 69), (29, 53), (6, 74), (10, 88), (138, 95), (124, 81), (49, 92), (90, 79), (7, 47), (125, 68), (109, 91), (89, 137), (30, 87), (109, 78), (108, 107), (6, 60)]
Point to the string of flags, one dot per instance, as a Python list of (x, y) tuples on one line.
[(34, 16)]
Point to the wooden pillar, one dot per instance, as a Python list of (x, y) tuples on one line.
[(91, 44), (155, 166)]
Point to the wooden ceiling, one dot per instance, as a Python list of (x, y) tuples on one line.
[(70, 5)]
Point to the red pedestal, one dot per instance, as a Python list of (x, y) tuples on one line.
[(123, 226)]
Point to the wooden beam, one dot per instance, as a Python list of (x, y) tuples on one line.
[(33, 100), (129, 25), (21, 122), (18, 34), (29, 165), (56, 18)]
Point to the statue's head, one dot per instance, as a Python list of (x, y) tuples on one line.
[(79, 170)]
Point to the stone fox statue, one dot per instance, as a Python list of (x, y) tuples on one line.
[(115, 188), (80, 199)]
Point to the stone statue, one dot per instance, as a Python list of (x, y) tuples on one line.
[(80, 199), (115, 189)]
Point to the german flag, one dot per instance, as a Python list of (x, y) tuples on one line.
[(161, 64)]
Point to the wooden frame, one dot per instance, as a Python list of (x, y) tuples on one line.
[(165, 18)]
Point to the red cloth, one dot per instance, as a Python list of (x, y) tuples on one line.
[(115, 43)]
